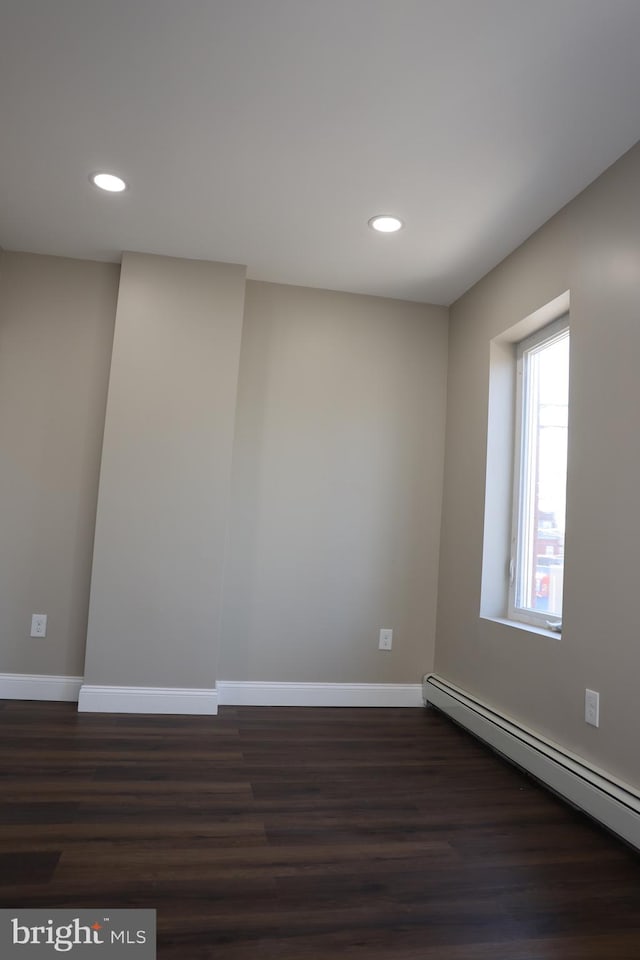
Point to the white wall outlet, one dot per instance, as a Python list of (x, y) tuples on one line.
[(386, 639), (592, 707), (39, 625)]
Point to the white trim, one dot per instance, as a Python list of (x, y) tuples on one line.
[(36, 686), (604, 797), (528, 627), (169, 700), (276, 694)]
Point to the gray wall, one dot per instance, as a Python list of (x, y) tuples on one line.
[(154, 617), (337, 482), (337, 475), (56, 330), (592, 248)]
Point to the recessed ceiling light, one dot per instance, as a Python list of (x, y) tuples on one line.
[(385, 223), (107, 181)]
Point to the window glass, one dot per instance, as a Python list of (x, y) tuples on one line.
[(541, 477)]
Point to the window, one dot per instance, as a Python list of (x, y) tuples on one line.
[(536, 568)]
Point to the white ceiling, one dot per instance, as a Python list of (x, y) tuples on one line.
[(268, 132)]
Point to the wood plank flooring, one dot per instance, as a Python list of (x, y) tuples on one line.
[(306, 833)]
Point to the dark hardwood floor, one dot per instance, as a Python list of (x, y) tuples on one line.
[(306, 833)]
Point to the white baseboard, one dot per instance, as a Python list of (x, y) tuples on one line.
[(274, 694), (169, 700), (605, 798), (178, 700), (35, 686)]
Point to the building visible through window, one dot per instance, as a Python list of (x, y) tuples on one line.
[(540, 471)]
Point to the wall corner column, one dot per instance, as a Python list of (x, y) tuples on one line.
[(156, 590)]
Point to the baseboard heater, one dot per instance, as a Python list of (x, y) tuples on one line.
[(609, 801)]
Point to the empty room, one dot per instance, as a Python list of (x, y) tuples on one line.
[(319, 519)]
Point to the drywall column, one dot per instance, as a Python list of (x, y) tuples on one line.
[(164, 488)]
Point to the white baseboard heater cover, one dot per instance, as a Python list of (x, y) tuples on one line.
[(609, 801)]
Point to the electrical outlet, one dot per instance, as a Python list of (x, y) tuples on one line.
[(39, 625), (386, 639), (592, 707)]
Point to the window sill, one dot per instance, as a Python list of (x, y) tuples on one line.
[(527, 627)]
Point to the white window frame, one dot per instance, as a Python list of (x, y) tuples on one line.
[(546, 334)]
